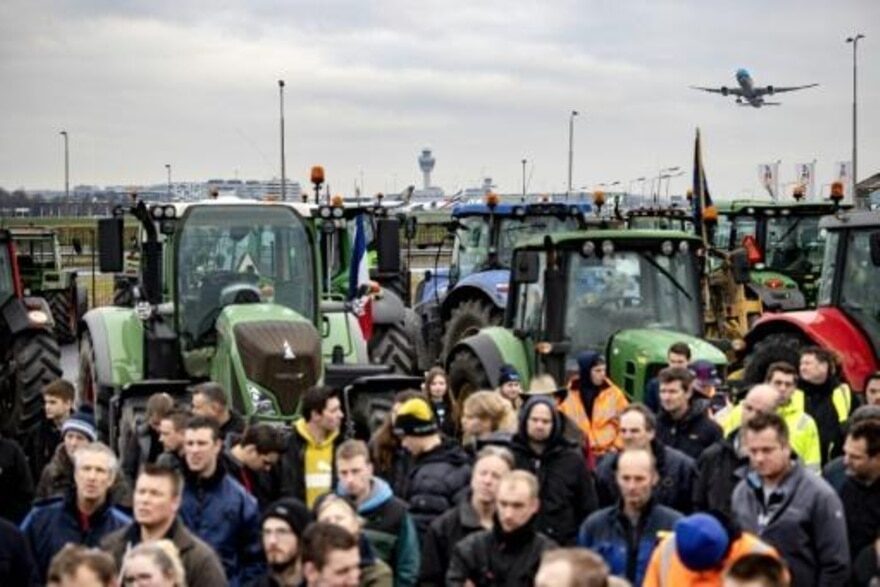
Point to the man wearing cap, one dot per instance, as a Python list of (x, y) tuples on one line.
[(568, 493), (283, 525), (510, 385), (440, 471), (699, 551), (794, 510)]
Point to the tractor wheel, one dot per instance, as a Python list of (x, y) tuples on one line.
[(783, 346), (133, 411), (87, 386), (466, 376), (64, 313), (392, 344), (466, 319), (36, 361), (397, 284)]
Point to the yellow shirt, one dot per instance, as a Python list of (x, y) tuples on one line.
[(318, 460)]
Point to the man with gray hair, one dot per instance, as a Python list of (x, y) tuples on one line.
[(83, 516)]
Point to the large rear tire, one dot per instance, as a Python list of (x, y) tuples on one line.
[(392, 344), (466, 375), (64, 314), (36, 361), (782, 346), (466, 319), (88, 389)]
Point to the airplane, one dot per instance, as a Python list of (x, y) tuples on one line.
[(749, 95)]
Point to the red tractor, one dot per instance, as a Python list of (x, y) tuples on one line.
[(847, 319)]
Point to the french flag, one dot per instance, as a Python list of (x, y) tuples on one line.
[(359, 280)]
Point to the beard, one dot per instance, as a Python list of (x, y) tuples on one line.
[(280, 562)]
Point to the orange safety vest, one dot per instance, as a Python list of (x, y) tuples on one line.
[(667, 570), (603, 428)]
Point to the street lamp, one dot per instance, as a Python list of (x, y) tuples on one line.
[(660, 178), (669, 180), (283, 171), (168, 169), (66, 165), (524, 178), (860, 203), (570, 149), (632, 181)]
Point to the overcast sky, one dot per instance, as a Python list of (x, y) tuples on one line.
[(484, 83)]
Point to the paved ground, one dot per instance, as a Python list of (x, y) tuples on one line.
[(70, 361)]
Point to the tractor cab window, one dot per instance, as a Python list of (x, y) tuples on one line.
[(794, 244), (859, 285), (530, 308), (517, 230), (7, 287), (829, 268), (721, 238), (630, 289), (235, 255), (743, 226), (36, 253), (471, 249)]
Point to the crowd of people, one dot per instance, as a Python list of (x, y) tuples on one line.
[(553, 485)]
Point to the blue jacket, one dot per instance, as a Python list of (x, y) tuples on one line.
[(222, 513), (54, 522), (627, 552)]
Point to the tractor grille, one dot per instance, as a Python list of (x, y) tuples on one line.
[(262, 345)]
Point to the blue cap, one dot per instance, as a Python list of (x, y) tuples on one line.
[(701, 541), (507, 373)]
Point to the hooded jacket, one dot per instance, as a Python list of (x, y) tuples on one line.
[(830, 405), (219, 511), (39, 443), (16, 483), (294, 461), (693, 434), (595, 410), (719, 470), (498, 558), (675, 469), (264, 486), (56, 521), (568, 492), (437, 480), (805, 523), (391, 531)]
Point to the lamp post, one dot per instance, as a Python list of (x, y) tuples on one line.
[(283, 170), (524, 161), (570, 149), (168, 169), (632, 181), (66, 166), (669, 180), (660, 178), (859, 202)]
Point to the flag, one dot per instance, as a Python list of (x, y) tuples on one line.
[(768, 175), (843, 171), (705, 213), (805, 174), (359, 280)]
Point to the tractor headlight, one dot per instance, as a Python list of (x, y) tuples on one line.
[(38, 317), (169, 211), (338, 212), (262, 403), (325, 212)]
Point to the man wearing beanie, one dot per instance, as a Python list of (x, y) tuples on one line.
[(283, 524), (568, 493), (698, 552), (440, 472)]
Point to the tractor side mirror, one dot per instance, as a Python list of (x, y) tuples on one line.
[(77, 246), (739, 267), (526, 267), (388, 245), (409, 227), (110, 256), (874, 244)]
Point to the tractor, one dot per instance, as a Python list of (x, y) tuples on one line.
[(671, 218), (627, 293), (847, 317), (39, 263), (28, 350), (229, 292), (473, 293)]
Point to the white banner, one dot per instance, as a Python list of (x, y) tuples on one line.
[(805, 178), (843, 174), (768, 175)]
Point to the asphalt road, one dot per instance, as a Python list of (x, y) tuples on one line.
[(70, 361)]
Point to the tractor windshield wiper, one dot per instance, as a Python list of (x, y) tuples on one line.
[(666, 274)]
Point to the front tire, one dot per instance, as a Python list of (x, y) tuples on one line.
[(87, 386), (467, 319), (36, 362), (64, 314), (392, 344), (466, 375)]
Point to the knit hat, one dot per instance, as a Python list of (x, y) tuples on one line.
[(705, 376), (507, 373), (415, 418), (290, 510), (82, 421), (701, 541)]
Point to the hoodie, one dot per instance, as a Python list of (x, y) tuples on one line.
[(588, 391)]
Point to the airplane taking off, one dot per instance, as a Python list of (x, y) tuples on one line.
[(749, 95)]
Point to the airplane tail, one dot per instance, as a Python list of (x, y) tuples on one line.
[(771, 104)]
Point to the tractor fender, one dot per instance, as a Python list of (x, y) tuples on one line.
[(388, 308), (117, 337), (489, 285), (496, 346), (829, 328), (82, 303), (40, 304)]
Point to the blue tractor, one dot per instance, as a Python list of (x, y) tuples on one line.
[(457, 302)]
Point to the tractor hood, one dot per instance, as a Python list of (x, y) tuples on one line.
[(494, 283)]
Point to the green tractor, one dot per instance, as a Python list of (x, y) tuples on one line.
[(229, 291), (39, 262), (627, 293), (29, 354)]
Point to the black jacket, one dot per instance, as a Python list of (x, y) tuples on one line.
[(693, 434), (442, 536), (568, 492), (235, 424), (676, 471), (16, 561), (497, 558), (437, 480), (263, 485), (291, 466), (861, 505), (39, 443), (16, 483), (143, 446), (719, 470), (819, 405)]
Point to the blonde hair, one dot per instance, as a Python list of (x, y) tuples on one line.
[(488, 405), (164, 554)]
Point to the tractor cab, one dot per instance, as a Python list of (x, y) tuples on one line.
[(670, 218)]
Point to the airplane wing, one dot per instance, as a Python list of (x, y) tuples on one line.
[(763, 91), (723, 91)]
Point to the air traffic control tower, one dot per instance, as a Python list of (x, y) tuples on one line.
[(426, 164)]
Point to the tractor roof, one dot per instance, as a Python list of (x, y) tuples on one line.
[(768, 207), (636, 238), (522, 209), (852, 219), (23, 232), (180, 208)]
